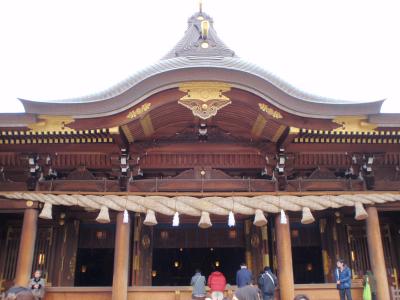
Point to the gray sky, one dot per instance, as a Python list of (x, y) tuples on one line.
[(346, 49)]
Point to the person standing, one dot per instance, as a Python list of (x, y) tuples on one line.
[(267, 283), (217, 284), (369, 283), (198, 283), (343, 280), (243, 276), (248, 292), (36, 284)]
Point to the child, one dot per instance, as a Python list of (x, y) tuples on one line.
[(36, 284)]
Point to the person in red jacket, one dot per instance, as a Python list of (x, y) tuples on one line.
[(217, 284)]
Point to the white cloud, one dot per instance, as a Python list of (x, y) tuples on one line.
[(335, 48)]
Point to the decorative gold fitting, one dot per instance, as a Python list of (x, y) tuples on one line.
[(49, 123), (204, 99), (205, 27), (356, 124)]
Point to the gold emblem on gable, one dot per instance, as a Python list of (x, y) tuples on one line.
[(204, 99), (270, 111), (135, 113)]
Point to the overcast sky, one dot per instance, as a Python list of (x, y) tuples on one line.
[(346, 49)]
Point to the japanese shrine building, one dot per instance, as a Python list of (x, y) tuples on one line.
[(91, 187)]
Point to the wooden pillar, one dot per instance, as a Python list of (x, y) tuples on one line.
[(376, 255), (247, 236), (265, 247), (26, 247), (284, 257), (142, 256), (67, 247), (121, 259)]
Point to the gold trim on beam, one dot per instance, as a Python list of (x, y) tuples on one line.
[(258, 126), (294, 130), (113, 130), (48, 123), (355, 124), (147, 125), (204, 98)]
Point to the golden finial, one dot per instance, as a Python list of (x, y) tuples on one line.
[(200, 6)]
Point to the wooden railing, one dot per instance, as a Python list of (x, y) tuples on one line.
[(314, 291)]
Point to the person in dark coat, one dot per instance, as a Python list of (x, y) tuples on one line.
[(243, 276), (267, 282), (343, 280)]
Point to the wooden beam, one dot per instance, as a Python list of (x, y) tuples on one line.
[(218, 194), (258, 126), (128, 134), (287, 138), (118, 137), (278, 133), (17, 204), (147, 125)]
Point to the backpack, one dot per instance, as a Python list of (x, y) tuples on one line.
[(267, 283)]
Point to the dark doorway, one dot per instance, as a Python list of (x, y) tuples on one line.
[(307, 265), (94, 267), (95, 255), (306, 253), (175, 267)]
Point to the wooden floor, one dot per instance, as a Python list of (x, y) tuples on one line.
[(314, 291)]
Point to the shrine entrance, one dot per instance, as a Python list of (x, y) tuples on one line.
[(178, 252), (175, 267), (95, 255), (306, 254)]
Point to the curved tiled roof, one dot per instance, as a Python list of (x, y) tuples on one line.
[(189, 54)]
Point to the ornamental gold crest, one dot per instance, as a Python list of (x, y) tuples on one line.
[(204, 99)]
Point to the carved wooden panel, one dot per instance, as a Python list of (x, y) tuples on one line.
[(189, 160), (358, 249), (96, 236), (190, 236), (11, 253), (43, 255)]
